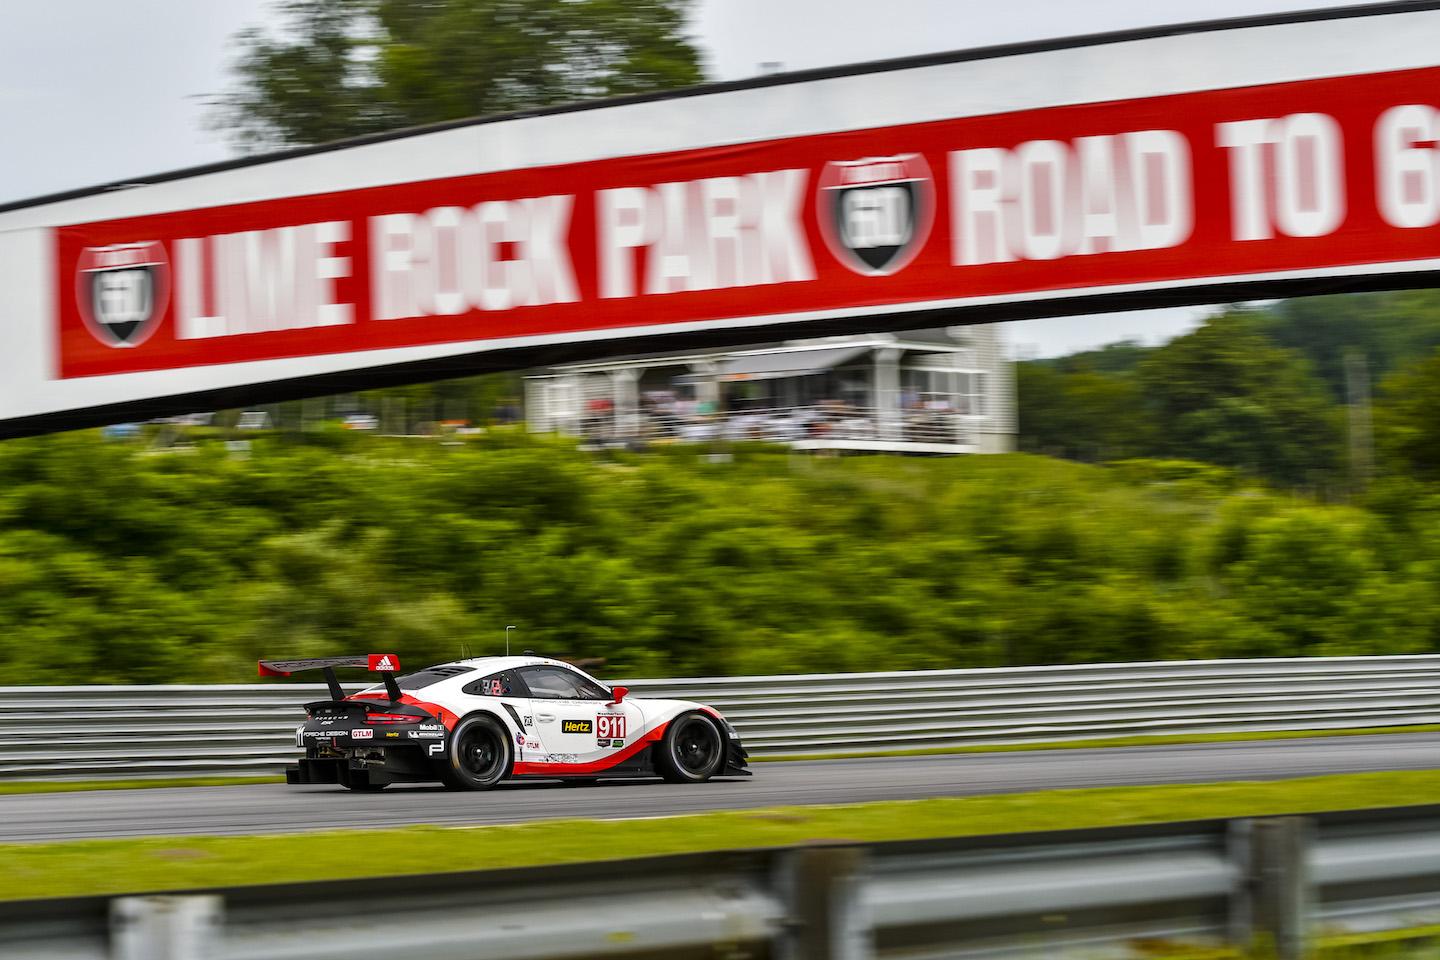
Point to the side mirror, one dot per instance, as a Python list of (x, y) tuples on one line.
[(618, 693)]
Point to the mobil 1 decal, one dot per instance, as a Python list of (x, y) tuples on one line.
[(875, 213), (122, 291)]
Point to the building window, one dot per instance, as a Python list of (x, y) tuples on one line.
[(970, 400), (944, 388)]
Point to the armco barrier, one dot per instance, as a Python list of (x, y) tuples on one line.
[(1162, 889), (208, 730)]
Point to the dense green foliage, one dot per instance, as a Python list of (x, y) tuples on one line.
[(1268, 391), (1081, 414), (1387, 331), (346, 68), (123, 563), (1224, 522), (1225, 394), (1408, 421)]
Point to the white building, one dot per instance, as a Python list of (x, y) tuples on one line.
[(945, 390)]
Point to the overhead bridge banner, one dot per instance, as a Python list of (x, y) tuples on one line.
[(1258, 181), (1224, 156)]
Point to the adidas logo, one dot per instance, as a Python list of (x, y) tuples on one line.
[(383, 664)]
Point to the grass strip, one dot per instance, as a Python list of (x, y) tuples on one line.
[(1413, 942), (1164, 740), (90, 867), (1155, 740)]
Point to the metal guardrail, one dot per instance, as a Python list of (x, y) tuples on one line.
[(48, 732), (1162, 889)]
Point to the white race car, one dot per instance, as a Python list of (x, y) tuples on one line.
[(473, 723)]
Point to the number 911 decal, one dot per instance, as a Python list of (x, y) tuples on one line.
[(610, 726)]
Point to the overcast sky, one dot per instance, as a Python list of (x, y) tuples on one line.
[(95, 90)]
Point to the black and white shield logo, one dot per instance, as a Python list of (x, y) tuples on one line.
[(876, 213), (122, 291)]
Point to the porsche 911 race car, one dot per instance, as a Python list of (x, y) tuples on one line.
[(473, 723)]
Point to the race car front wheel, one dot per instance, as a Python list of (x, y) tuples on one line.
[(692, 749), (480, 754)]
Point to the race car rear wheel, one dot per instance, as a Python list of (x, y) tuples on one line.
[(692, 750), (480, 754)]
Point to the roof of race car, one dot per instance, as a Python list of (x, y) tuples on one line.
[(488, 665), (507, 663)]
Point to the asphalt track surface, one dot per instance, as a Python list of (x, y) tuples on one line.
[(276, 808)]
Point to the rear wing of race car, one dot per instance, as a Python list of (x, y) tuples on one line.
[(385, 664)]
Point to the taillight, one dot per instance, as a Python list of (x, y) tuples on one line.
[(391, 718)]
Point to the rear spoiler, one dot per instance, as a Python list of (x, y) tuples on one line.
[(385, 664)]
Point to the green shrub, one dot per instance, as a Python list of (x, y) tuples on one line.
[(119, 563)]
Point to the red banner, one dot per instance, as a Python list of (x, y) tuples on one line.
[(1299, 178)]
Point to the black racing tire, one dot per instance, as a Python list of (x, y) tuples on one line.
[(480, 754), (692, 750)]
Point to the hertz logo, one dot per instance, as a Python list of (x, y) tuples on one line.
[(577, 726)]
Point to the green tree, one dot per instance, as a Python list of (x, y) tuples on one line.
[(346, 68), (1387, 330), (1226, 394), (122, 562), (1120, 357), (1407, 419), (1081, 414)]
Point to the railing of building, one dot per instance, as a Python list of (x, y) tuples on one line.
[(818, 425)]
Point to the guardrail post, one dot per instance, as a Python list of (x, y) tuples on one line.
[(1279, 885), (166, 928), (827, 920)]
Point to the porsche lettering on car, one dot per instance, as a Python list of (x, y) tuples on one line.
[(472, 723)]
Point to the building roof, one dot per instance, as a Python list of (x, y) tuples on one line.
[(791, 351), (790, 363)]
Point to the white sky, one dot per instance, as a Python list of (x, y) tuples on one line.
[(98, 90)]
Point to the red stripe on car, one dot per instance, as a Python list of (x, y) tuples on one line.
[(530, 769), (446, 717)]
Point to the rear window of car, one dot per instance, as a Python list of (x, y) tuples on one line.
[(502, 684), (424, 678)]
